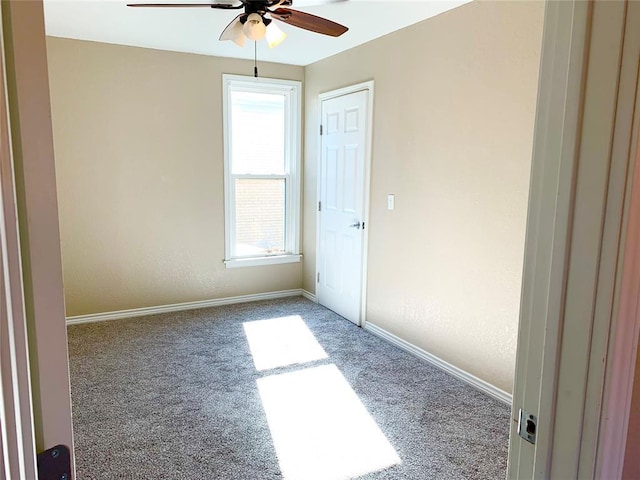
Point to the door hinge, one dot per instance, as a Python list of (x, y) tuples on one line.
[(362, 225), (527, 426), (319, 206), (318, 280), (320, 130)]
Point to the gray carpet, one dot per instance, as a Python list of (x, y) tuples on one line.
[(178, 396)]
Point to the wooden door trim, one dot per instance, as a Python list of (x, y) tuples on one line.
[(18, 449), (574, 222), (27, 82), (621, 363)]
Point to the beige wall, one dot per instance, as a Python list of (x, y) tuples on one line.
[(454, 111), (139, 158)]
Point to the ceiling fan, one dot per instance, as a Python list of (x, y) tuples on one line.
[(256, 22)]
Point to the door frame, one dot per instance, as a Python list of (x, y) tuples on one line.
[(623, 346), (577, 211), (564, 61), (17, 439), (359, 87), (36, 251)]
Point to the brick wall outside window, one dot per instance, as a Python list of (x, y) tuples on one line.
[(260, 216)]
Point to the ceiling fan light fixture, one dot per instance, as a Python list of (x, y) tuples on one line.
[(274, 35), (237, 34), (254, 28), (256, 22)]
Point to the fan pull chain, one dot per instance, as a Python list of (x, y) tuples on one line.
[(255, 59)]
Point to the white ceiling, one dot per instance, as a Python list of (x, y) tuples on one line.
[(196, 30)]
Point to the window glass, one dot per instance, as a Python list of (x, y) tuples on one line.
[(257, 133)]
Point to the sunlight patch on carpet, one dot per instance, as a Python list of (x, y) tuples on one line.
[(280, 342), (320, 428)]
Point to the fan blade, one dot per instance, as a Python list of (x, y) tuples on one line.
[(224, 6), (302, 3), (308, 22)]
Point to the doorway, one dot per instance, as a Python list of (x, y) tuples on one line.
[(563, 22)]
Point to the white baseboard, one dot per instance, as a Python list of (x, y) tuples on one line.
[(309, 296), (380, 332), (452, 370), (177, 307)]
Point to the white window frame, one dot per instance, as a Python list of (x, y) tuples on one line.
[(293, 119)]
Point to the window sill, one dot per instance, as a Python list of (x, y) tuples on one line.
[(259, 261)]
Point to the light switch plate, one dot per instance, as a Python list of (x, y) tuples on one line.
[(391, 201)]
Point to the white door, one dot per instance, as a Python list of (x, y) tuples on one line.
[(342, 203)]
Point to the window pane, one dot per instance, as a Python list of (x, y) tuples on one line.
[(257, 133), (260, 214)]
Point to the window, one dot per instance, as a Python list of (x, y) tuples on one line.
[(262, 171)]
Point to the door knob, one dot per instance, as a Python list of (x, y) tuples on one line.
[(355, 225)]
